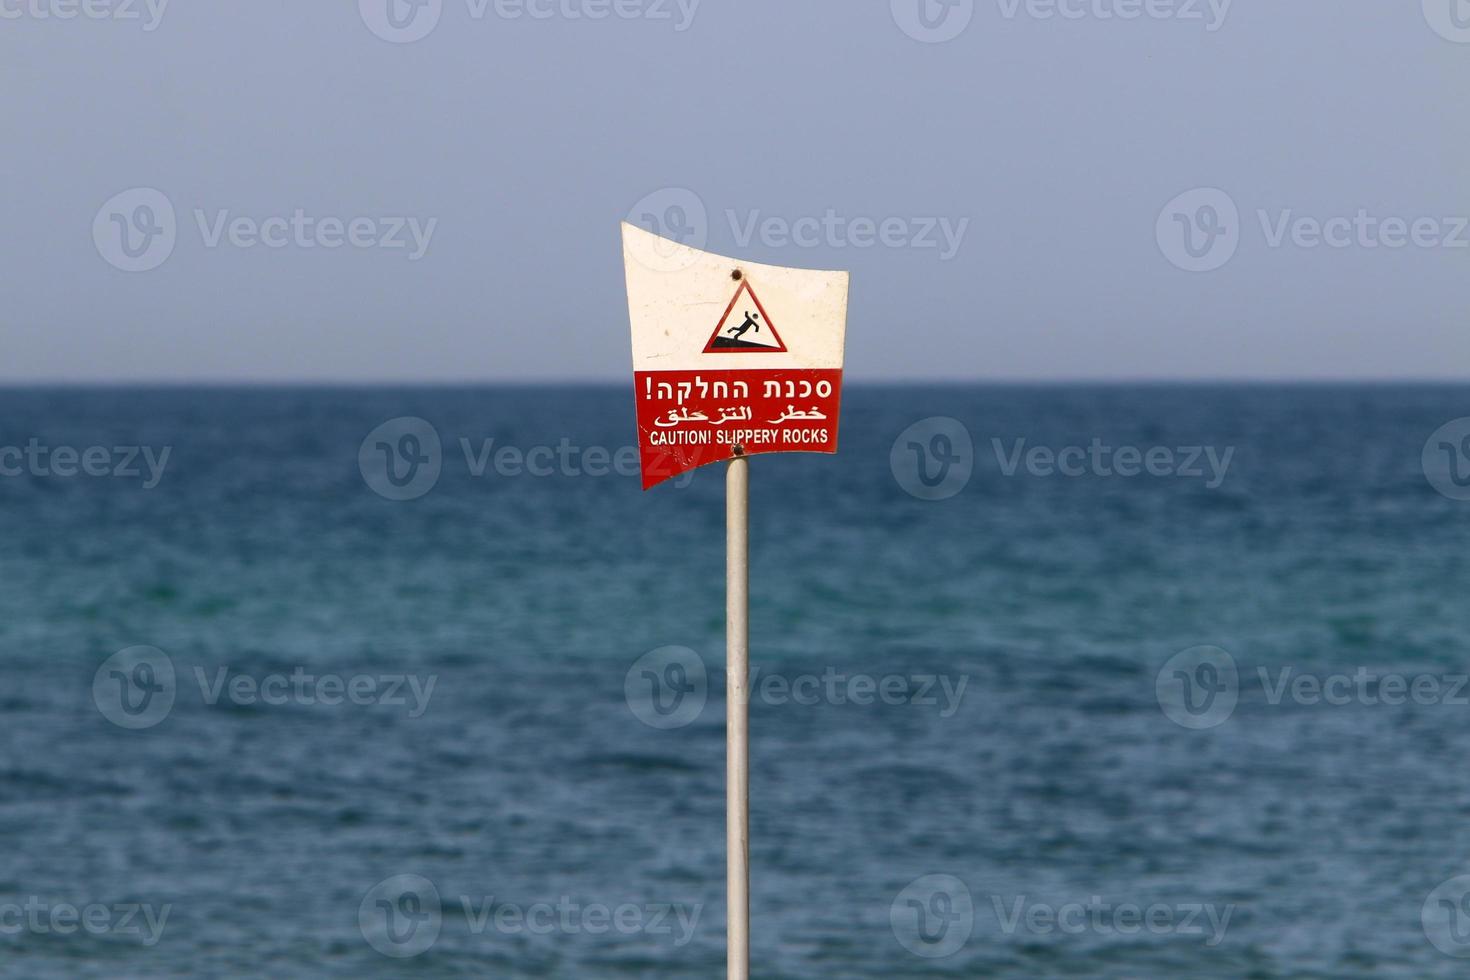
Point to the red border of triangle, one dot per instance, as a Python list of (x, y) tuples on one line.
[(710, 348)]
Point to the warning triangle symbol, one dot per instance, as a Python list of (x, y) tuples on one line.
[(745, 328)]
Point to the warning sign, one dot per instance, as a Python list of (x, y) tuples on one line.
[(745, 328), (697, 406)]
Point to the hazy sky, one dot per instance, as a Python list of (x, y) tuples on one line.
[(1017, 185)]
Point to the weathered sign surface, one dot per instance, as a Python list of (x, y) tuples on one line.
[(730, 358)]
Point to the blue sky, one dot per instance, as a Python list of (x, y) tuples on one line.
[(1022, 189)]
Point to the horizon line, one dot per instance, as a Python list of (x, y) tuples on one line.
[(1141, 381)]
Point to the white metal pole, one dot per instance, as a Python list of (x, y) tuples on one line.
[(737, 718)]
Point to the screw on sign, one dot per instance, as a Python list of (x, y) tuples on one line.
[(730, 360)]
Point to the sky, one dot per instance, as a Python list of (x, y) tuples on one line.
[(431, 190)]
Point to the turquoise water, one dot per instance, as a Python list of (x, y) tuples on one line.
[(1021, 789)]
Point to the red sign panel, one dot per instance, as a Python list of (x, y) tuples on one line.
[(691, 418)]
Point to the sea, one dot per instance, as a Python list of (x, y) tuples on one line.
[(1117, 681)]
